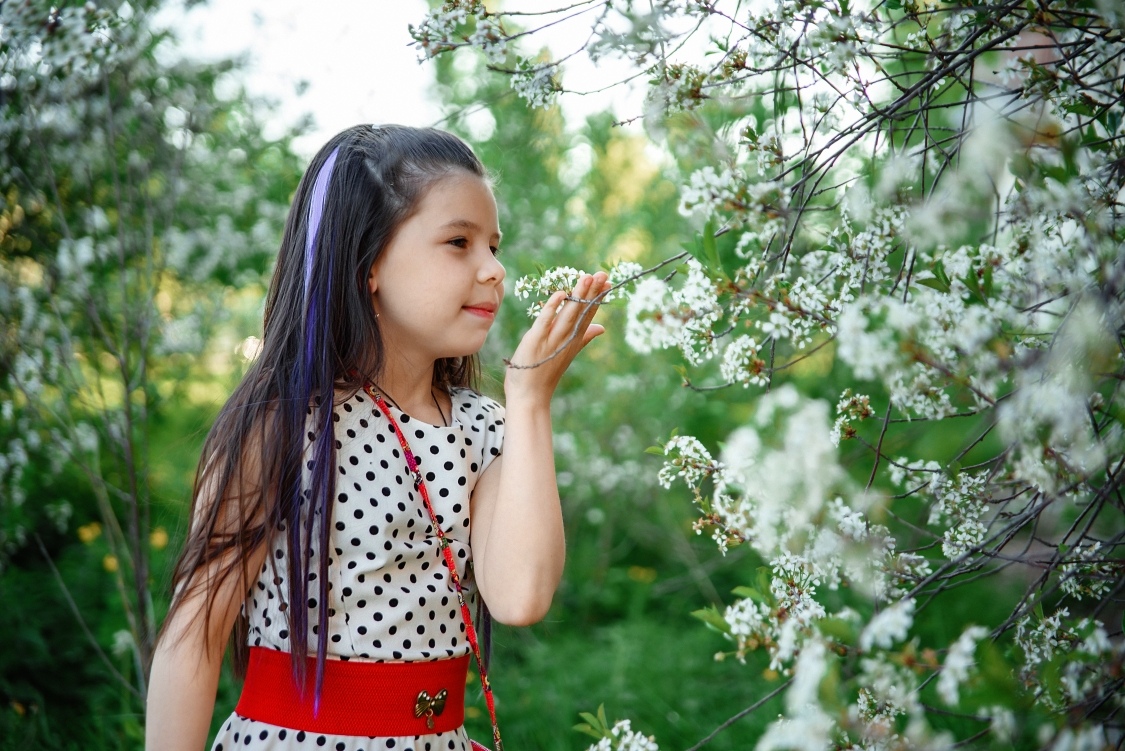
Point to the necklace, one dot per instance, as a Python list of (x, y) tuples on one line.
[(444, 422), (433, 395)]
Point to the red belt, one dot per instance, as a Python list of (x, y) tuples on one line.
[(357, 698)]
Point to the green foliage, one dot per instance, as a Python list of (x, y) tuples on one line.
[(132, 202), (658, 670), (872, 187)]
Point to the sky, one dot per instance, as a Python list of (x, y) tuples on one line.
[(351, 61), (351, 58)]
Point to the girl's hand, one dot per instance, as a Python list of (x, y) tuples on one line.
[(517, 525), (554, 340)]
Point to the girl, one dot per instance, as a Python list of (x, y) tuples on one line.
[(339, 561)]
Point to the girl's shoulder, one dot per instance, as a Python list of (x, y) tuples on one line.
[(480, 415), (466, 399)]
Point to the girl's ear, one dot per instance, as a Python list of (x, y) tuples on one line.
[(372, 282)]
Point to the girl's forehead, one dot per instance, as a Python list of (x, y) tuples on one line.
[(460, 193), (457, 179)]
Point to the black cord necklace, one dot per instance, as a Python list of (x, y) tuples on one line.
[(444, 422), (433, 395)]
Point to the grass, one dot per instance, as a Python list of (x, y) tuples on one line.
[(659, 673)]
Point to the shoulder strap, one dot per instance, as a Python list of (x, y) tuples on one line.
[(447, 554)]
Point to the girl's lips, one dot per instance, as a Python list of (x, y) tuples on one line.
[(482, 311)]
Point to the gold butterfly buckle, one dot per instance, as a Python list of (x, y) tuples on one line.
[(430, 706)]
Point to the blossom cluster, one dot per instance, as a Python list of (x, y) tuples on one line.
[(944, 246), (622, 737), (565, 278), (467, 23)]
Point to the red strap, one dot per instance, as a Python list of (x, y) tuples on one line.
[(358, 698), (447, 554)]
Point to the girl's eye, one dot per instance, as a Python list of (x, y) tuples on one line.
[(495, 250), (460, 242)]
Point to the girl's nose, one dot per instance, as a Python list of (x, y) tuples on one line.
[(492, 270)]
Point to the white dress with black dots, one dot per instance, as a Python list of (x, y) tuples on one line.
[(390, 594)]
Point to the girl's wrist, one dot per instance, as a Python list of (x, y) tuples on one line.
[(519, 400)]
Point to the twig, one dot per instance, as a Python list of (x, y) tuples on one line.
[(82, 622), (740, 715)]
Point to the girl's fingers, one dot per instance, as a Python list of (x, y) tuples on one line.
[(561, 319), (548, 312), (587, 290), (592, 331)]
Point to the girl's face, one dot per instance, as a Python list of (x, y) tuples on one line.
[(437, 285)]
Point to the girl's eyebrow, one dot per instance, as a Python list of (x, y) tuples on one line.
[(468, 224)]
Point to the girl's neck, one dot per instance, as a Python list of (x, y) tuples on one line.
[(410, 388)]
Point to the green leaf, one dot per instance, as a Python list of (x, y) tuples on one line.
[(939, 272), (937, 284), (751, 594), (764, 578), (657, 450), (829, 689), (839, 629), (894, 4), (588, 730), (713, 618), (710, 247), (972, 281), (595, 726)]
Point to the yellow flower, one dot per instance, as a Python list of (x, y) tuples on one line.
[(642, 574), (87, 533), (159, 538), (18, 708), (109, 563)]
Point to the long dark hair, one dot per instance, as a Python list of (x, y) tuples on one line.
[(321, 337)]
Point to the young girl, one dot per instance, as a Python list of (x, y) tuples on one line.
[(333, 559)]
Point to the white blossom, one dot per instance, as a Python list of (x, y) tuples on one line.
[(1040, 641), (809, 732), (535, 83), (741, 363), (889, 625), (1002, 722), (708, 191), (692, 461), (624, 738), (958, 662)]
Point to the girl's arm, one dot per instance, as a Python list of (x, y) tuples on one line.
[(517, 527), (186, 664), (189, 655)]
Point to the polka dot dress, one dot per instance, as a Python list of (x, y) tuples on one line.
[(390, 597)]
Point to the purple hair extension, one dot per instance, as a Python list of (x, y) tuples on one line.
[(314, 380), (316, 211)]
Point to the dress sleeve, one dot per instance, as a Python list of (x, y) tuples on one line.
[(492, 430)]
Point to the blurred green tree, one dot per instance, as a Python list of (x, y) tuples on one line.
[(139, 202)]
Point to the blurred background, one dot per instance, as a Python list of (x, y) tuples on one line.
[(185, 130), (957, 157)]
